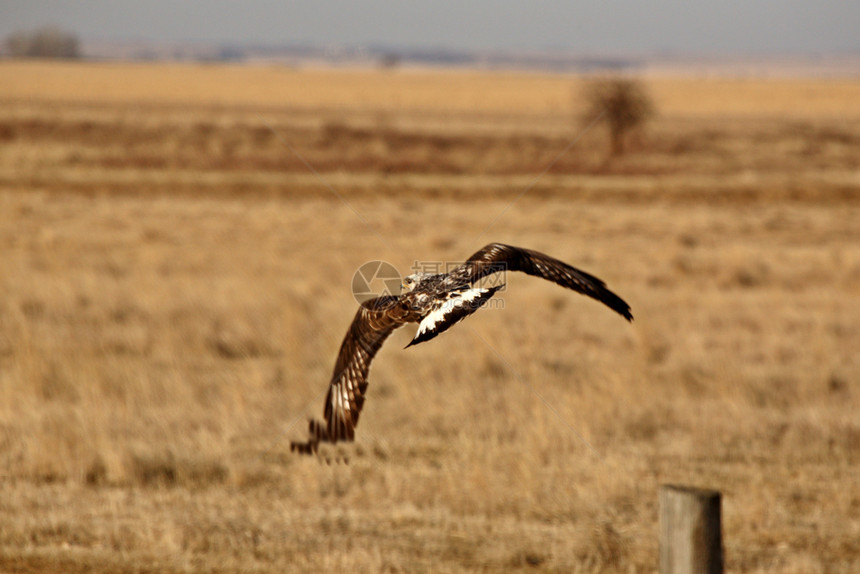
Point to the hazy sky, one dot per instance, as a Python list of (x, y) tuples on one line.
[(720, 27)]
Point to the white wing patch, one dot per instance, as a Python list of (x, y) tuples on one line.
[(454, 309)]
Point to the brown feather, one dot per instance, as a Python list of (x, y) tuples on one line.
[(375, 320), (497, 257)]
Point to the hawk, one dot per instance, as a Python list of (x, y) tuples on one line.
[(436, 302)]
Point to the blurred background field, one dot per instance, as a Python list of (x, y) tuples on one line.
[(175, 284)]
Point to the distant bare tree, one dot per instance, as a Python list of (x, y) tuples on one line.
[(48, 42), (389, 61), (622, 104)]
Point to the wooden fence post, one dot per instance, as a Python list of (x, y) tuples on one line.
[(690, 531)]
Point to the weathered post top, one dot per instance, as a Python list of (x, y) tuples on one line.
[(690, 530)]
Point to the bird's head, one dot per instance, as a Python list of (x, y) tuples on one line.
[(410, 282)]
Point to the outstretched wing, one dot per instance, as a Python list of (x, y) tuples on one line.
[(375, 320), (497, 257)]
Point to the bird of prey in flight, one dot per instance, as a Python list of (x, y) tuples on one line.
[(436, 302)]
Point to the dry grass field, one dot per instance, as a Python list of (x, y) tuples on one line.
[(175, 283)]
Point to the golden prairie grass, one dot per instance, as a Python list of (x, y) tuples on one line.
[(477, 94), (175, 286)]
